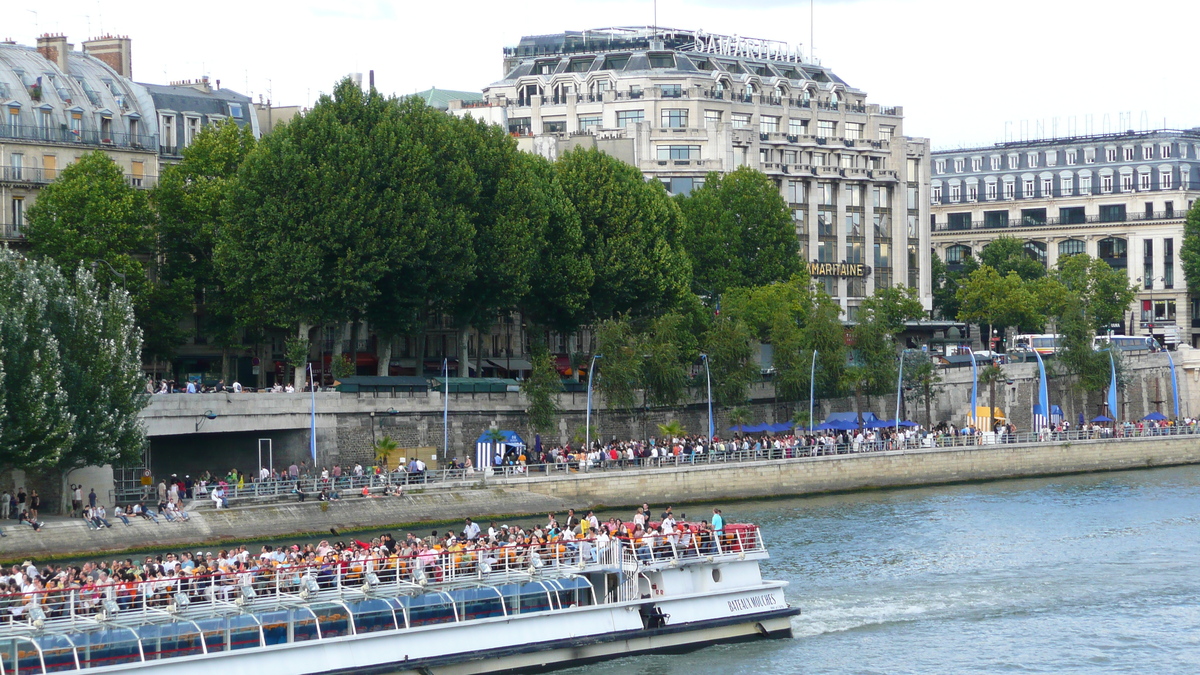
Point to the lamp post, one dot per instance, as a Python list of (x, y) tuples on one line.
[(95, 265), (812, 379), (708, 382), (445, 409), (587, 420), (899, 391)]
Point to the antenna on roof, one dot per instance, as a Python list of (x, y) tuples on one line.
[(812, 13), (36, 26)]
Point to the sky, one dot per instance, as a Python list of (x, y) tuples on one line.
[(966, 73)]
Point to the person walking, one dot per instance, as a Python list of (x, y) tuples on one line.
[(92, 498), (76, 500), (5, 511), (35, 504)]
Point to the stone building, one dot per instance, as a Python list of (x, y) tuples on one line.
[(1119, 197), (679, 104)]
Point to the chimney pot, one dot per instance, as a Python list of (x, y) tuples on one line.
[(54, 48), (116, 52)]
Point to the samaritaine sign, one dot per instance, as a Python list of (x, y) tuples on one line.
[(838, 270)]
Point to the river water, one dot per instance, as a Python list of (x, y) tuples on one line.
[(1082, 574)]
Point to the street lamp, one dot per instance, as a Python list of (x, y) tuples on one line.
[(446, 409), (587, 420), (708, 381), (812, 379), (95, 264), (899, 390)]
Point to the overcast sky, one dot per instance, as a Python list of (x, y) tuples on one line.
[(966, 73)]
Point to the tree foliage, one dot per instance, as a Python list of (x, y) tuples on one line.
[(727, 344), (989, 298), (739, 232), (881, 318), (1008, 254), (1189, 252), (541, 389)]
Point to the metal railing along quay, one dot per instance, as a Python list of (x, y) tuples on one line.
[(349, 487)]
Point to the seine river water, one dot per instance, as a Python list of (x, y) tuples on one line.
[(1082, 574)]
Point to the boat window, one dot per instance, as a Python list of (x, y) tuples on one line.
[(304, 625), (274, 627), (372, 615), (333, 620), (168, 640), (20, 655), (572, 592), (428, 609), (108, 647), (478, 603), (215, 631), (534, 598), (243, 632), (57, 652), (398, 607)]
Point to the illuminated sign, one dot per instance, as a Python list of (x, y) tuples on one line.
[(838, 270), (753, 48)]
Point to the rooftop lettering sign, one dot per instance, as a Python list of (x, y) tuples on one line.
[(817, 269), (752, 48)]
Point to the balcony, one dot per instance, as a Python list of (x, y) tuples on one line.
[(10, 232), (65, 136), (1071, 220), (35, 175)]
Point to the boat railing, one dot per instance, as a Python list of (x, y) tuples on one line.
[(263, 586)]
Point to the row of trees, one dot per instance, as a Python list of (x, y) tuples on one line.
[(385, 210), (70, 372)]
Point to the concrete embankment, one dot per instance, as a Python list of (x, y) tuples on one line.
[(210, 526), (537, 495)]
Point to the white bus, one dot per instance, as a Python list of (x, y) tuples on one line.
[(1042, 343), (1127, 342)]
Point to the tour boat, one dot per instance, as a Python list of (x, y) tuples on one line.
[(498, 610)]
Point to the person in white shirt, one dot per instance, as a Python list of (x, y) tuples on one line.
[(471, 530), (237, 387)]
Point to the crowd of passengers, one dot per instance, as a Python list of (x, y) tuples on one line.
[(471, 552)]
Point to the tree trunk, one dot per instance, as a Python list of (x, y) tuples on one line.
[(298, 376), (479, 352), (928, 414), (992, 402), (464, 351), (419, 352), (385, 355), (354, 332), (858, 402)]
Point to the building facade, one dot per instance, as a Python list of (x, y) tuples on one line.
[(59, 104), (187, 106), (679, 104), (1118, 197)]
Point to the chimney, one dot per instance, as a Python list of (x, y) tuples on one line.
[(54, 48), (113, 50)]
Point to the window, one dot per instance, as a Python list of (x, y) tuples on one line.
[(1072, 157), (1168, 263), (1128, 153), (235, 110), (1047, 187), (681, 185), (995, 162), (1164, 180), (1147, 152), (958, 166), (957, 254), (818, 159), (797, 192), (589, 121), (554, 126), (886, 133), (1106, 183), (1164, 150), (992, 219), (883, 254), (939, 166), (882, 226), (789, 156), (881, 197), (1112, 213), (166, 126), (1066, 186), (826, 251), (846, 160), (1147, 263), (1089, 155), (768, 124), (826, 194), (1164, 311), (1071, 247), (1127, 182), (958, 221), (972, 193), (976, 164), (1112, 250), (1033, 216), (678, 152), (854, 130), (43, 124), (1027, 192), (1032, 158), (76, 122), (1036, 250), (137, 173), (626, 118), (797, 127), (826, 129), (854, 225), (1144, 180), (1014, 161), (935, 194), (1085, 184), (1051, 157), (854, 195), (1110, 154), (740, 120), (18, 214), (18, 165), (1169, 209), (854, 252), (764, 155), (191, 129), (1010, 189), (991, 191), (49, 167), (712, 117), (14, 121), (825, 226), (671, 91), (674, 118)]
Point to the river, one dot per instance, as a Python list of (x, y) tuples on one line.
[(1079, 574)]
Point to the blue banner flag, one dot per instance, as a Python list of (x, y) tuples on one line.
[(1174, 383), (1112, 386), (974, 386), (1042, 419)]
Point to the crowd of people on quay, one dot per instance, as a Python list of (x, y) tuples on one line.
[(471, 550), (169, 386)]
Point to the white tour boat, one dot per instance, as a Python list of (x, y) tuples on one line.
[(496, 610)]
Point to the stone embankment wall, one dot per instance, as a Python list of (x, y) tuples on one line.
[(534, 496)]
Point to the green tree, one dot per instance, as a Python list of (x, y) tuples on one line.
[(541, 389), (1189, 252), (91, 214), (824, 333), (989, 298), (620, 365), (672, 429), (631, 235), (1008, 254), (739, 232), (924, 383), (1085, 295), (668, 349), (190, 199), (35, 420), (727, 343), (874, 359), (945, 284)]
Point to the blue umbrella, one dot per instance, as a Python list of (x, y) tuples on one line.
[(879, 424), (1102, 418), (906, 423), (1155, 417)]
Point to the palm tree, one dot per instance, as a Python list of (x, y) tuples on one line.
[(990, 376), (384, 448), (494, 437), (739, 416), (672, 429)]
